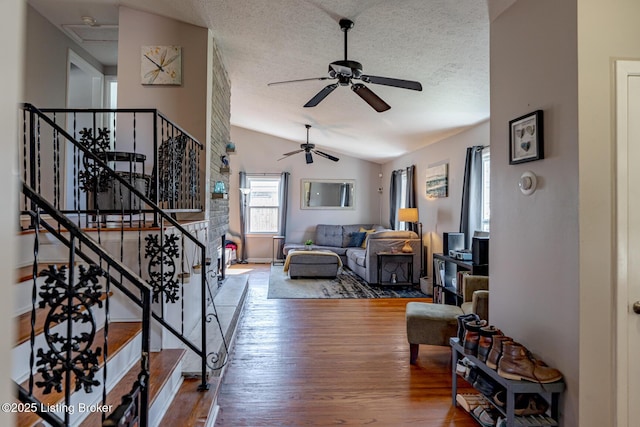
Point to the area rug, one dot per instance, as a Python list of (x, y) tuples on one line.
[(346, 285)]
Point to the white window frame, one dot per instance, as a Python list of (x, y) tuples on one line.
[(485, 212), (402, 225), (111, 100), (261, 178)]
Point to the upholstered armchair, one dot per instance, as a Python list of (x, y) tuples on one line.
[(434, 324)]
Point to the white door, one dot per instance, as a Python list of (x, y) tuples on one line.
[(628, 241)]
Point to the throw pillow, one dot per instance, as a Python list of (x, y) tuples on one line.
[(367, 232), (356, 239)]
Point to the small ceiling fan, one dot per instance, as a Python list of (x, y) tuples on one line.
[(308, 149), (345, 71)]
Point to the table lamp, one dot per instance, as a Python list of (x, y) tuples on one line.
[(411, 215)]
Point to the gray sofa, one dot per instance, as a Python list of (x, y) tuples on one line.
[(364, 261)]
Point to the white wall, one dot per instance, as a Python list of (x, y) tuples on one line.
[(186, 104), (535, 240), (45, 78), (12, 24), (606, 32), (443, 214), (259, 153), (80, 84)]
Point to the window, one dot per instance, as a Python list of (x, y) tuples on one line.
[(111, 102), (403, 199), (263, 204), (486, 199), (111, 92)]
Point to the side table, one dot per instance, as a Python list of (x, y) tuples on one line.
[(395, 257)]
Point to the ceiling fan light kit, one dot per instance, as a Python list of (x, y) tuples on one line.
[(345, 71), (309, 148)]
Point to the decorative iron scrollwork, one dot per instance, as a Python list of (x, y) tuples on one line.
[(193, 173), (171, 155), (162, 266), (70, 354), (94, 177), (214, 358)]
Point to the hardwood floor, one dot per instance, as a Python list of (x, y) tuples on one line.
[(327, 362)]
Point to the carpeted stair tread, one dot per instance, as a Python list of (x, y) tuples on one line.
[(191, 407), (161, 366), (120, 333)]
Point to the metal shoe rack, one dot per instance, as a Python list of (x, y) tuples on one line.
[(549, 390)]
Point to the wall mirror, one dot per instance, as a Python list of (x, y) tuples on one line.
[(327, 194)]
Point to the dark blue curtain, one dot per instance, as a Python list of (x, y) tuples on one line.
[(394, 198), (471, 215), (284, 207), (410, 196)]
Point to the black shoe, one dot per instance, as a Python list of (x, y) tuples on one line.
[(485, 384), (461, 320), (472, 374)]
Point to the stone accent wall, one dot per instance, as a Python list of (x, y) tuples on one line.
[(220, 137)]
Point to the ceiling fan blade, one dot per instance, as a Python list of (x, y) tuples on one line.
[(328, 156), (291, 153), (387, 81), (370, 98), (309, 157), (299, 80), (321, 95)]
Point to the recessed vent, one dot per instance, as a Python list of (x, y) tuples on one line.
[(88, 34)]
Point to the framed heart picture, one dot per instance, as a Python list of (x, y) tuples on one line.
[(526, 138)]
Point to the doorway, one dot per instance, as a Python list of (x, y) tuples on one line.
[(627, 242), (85, 88)]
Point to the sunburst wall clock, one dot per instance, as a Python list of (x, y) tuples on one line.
[(161, 65)]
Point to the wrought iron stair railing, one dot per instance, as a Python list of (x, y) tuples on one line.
[(63, 172), (153, 154), (71, 297)]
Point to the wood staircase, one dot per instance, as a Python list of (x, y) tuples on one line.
[(107, 315), (174, 398)]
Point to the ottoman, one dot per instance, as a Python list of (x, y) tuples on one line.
[(318, 263), (431, 324)]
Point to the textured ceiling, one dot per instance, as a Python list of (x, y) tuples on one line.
[(444, 44)]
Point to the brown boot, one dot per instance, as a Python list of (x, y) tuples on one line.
[(472, 336), (516, 364), (486, 339), (496, 350)]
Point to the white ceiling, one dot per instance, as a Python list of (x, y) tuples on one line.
[(444, 44)]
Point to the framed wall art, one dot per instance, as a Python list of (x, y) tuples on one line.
[(526, 138), (438, 181)]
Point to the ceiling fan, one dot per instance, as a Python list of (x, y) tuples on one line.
[(308, 149), (345, 71)]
